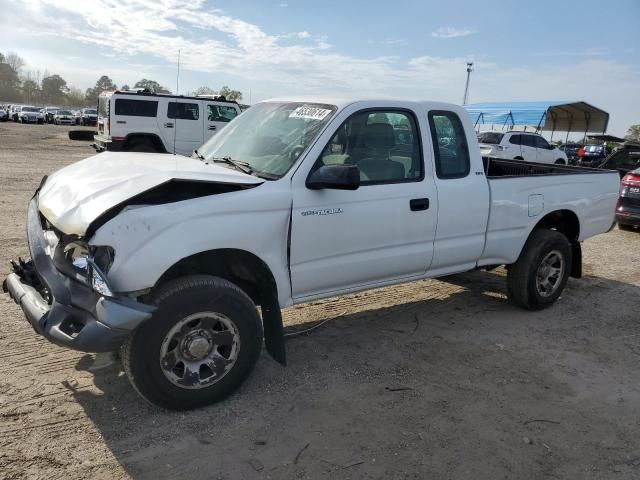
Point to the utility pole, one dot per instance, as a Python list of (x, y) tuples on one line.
[(466, 88)]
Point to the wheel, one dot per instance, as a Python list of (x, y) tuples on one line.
[(624, 226), (142, 145), (560, 162), (541, 272), (199, 347), (518, 158)]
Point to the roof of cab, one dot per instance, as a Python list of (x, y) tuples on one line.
[(344, 101)]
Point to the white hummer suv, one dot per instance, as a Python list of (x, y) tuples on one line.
[(139, 121)]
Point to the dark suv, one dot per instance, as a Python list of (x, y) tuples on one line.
[(623, 159)]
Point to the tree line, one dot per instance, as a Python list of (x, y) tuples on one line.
[(26, 86)]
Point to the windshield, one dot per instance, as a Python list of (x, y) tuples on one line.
[(270, 136), (90, 112), (64, 112), (30, 109), (492, 138)]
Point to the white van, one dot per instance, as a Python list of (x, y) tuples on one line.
[(139, 121)]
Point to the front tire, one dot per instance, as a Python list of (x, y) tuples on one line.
[(560, 162), (540, 274), (200, 345)]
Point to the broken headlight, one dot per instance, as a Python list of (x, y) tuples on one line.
[(92, 263)]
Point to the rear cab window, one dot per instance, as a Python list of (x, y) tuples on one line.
[(449, 139)]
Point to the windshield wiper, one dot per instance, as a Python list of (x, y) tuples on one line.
[(244, 167), (198, 154)]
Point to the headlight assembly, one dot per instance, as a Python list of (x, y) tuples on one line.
[(92, 263)]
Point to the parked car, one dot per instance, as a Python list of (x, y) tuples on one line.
[(296, 200), (628, 208), (624, 159), (592, 155), (3, 114), (88, 117), (49, 113), (529, 147), (143, 122), (571, 151), (64, 117), (13, 113), (30, 114)]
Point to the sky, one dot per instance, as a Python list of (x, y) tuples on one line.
[(543, 50)]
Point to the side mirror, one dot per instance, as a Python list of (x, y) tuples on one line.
[(339, 177)]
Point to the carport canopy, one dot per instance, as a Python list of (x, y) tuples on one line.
[(553, 116)]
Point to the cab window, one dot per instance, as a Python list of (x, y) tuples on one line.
[(383, 144), (449, 144)]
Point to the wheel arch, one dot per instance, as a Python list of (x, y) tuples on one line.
[(252, 275), (566, 222), (131, 138)]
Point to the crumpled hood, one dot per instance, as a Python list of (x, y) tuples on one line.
[(76, 195)]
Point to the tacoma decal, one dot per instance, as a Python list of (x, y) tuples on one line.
[(324, 211)]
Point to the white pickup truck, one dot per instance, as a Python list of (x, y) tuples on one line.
[(166, 257)]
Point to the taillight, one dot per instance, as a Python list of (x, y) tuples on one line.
[(631, 180), (580, 152)]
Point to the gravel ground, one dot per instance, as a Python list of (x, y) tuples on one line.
[(434, 379)]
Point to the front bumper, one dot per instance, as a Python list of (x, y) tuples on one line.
[(75, 317), (103, 142)]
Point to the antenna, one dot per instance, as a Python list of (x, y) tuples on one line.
[(175, 123), (466, 88)]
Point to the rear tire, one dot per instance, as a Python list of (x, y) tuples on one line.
[(560, 162), (199, 319), (142, 145), (624, 226), (540, 274)]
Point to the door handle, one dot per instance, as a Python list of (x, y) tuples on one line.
[(418, 204), (168, 125), (212, 127)]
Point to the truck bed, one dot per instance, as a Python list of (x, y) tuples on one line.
[(499, 167), (522, 193)]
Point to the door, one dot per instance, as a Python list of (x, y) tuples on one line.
[(218, 115), (545, 152), (515, 146), (384, 230), (463, 195), (529, 148), (182, 127)]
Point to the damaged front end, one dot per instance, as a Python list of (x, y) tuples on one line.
[(64, 289), (65, 295)]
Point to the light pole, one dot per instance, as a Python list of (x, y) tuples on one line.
[(466, 88)]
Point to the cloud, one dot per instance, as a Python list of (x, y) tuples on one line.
[(149, 33), (451, 32), (589, 52), (388, 41)]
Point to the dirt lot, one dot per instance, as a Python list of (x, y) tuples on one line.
[(436, 379)]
